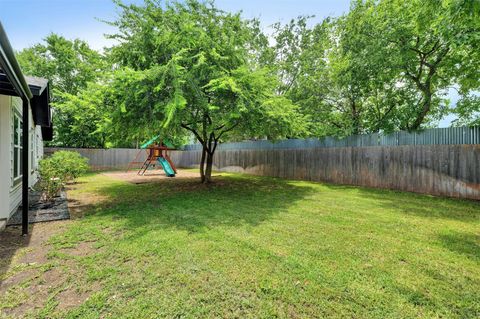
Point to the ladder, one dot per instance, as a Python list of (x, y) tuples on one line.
[(146, 165)]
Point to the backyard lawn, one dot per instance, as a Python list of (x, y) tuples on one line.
[(248, 247)]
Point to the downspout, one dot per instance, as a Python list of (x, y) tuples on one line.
[(25, 166)]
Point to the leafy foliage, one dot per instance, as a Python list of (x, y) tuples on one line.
[(50, 182), (383, 66), (467, 110), (191, 66), (58, 169), (187, 69), (88, 123), (71, 164), (69, 65)]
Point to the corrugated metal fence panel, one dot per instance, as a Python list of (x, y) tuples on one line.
[(453, 135), (435, 136)]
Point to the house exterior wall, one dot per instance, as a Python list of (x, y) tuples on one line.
[(10, 190), (5, 104)]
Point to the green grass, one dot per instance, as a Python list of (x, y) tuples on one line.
[(251, 247)]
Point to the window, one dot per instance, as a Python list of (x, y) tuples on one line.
[(17, 138)]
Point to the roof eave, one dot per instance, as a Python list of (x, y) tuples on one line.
[(11, 67)]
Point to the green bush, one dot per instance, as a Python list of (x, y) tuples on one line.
[(50, 179), (72, 164), (58, 169)]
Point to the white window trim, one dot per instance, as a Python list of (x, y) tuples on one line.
[(15, 181)]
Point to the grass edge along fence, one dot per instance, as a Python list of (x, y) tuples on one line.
[(442, 162)]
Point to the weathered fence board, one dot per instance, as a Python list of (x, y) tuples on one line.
[(103, 159), (447, 170)]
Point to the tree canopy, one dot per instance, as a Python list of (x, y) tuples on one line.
[(190, 70), (69, 65), (194, 67), (383, 66)]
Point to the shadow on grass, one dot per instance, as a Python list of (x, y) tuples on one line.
[(419, 205), (463, 243), (188, 205), (11, 241)]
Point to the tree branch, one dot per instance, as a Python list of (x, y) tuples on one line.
[(227, 130), (209, 118), (220, 127), (194, 132)]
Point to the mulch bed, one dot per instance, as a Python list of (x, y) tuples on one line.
[(42, 212)]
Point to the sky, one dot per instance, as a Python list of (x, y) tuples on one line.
[(27, 22)]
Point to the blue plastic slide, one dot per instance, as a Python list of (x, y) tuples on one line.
[(166, 167)]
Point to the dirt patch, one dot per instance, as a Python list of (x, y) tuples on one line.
[(80, 203), (150, 176), (38, 293), (27, 279), (71, 298), (35, 256), (52, 278), (83, 249), (21, 261), (18, 279), (157, 176), (16, 249)]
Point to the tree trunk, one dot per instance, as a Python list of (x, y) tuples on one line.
[(355, 118), (426, 106), (202, 163), (208, 169), (210, 148)]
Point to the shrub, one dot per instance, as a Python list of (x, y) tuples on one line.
[(72, 164), (50, 181), (58, 169)]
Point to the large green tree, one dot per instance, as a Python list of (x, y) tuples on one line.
[(383, 66), (433, 44), (427, 47), (69, 65), (330, 72), (194, 67)]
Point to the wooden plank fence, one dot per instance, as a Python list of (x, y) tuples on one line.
[(446, 170), (104, 159)]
